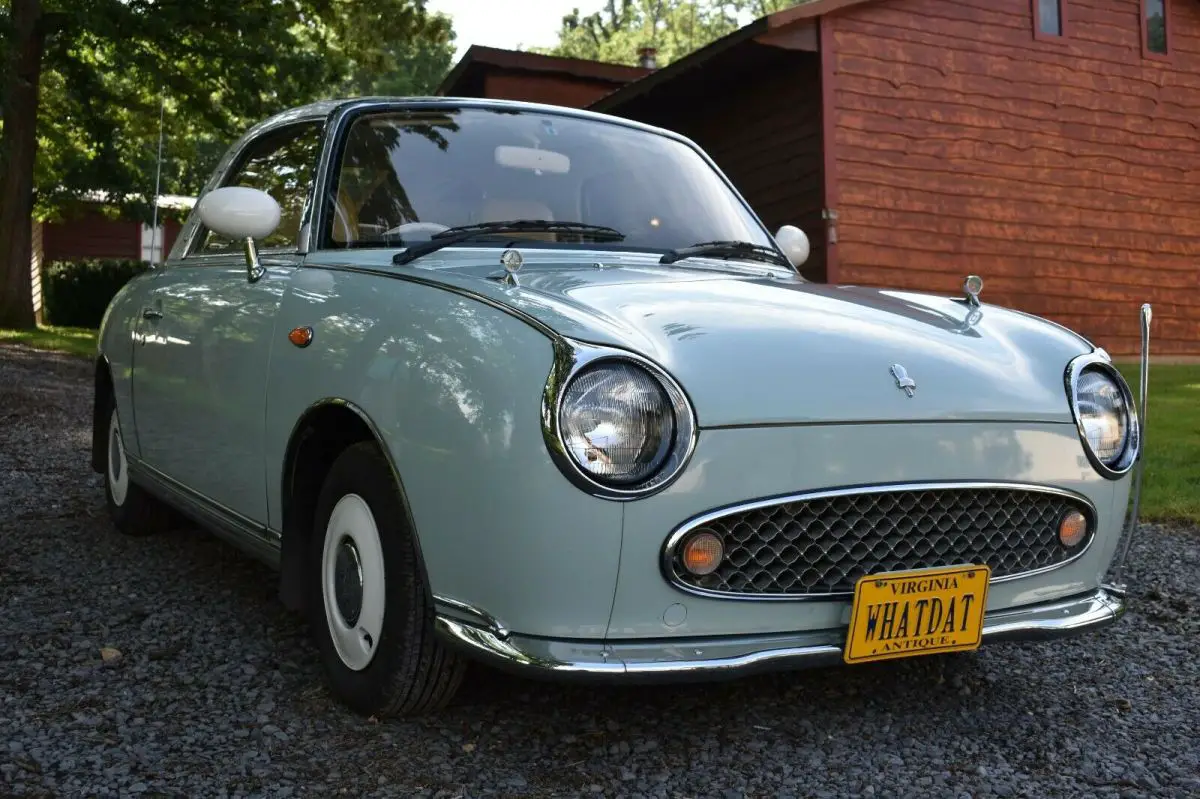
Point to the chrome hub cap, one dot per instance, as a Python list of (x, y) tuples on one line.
[(118, 468), (348, 581), (352, 581)]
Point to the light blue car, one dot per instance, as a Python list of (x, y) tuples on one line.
[(534, 386)]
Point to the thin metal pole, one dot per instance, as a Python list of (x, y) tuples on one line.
[(1140, 466), (162, 104)]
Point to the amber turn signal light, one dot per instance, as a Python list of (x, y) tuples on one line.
[(1072, 529), (702, 553), (301, 336)]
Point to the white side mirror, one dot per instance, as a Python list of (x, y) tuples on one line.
[(794, 244), (241, 212)]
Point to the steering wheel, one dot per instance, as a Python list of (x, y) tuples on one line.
[(409, 228)]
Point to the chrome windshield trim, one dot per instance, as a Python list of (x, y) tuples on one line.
[(666, 564), (1100, 359), (634, 660), (1140, 465), (345, 112)]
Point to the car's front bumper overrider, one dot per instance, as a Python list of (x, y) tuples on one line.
[(677, 660)]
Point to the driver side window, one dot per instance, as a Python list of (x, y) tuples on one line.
[(282, 164)]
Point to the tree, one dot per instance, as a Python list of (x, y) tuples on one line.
[(673, 27), (83, 80), (414, 67)]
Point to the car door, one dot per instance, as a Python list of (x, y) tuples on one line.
[(207, 330)]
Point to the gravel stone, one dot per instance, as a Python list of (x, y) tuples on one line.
[(218, 692)]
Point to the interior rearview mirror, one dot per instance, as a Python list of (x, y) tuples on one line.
[(241, 212), (794, 244), (532, 158)]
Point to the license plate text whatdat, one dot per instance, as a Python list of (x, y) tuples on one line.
[(900, 614)]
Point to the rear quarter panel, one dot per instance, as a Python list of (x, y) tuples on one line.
[(454, 387)]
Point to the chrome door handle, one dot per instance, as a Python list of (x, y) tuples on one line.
[(150, 313)]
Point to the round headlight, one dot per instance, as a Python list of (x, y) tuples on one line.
[(617, 423), (1103, 408), (1103, 414)]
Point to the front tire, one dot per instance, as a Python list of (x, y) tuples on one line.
[(132, 509), (374, 623)]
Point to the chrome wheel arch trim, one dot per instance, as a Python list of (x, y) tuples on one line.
[(1098, 359), (666, 560), (572, 357)]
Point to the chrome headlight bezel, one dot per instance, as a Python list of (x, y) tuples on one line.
[(1098, 361), (575, 358)]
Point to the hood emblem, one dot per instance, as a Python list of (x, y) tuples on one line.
[(971, 287), (903, 381), (511, 260)]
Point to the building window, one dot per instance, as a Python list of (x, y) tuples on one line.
[(1049, 19), (152, 243), (1156, 31)]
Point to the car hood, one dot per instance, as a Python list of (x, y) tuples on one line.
[(761, 351), (756, 350)]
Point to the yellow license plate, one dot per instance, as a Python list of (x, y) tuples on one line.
[(921, 612)]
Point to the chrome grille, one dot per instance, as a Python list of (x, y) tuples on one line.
[(821, 544)]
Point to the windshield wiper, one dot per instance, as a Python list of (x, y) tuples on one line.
[(454, 235), (728, 249)]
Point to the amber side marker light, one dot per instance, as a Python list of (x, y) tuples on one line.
[(702, 553), (1072, 528), (301, 336)]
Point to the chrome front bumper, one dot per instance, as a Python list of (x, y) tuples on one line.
[(730, 657)]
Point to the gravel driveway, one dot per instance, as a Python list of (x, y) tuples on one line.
[(216, 691)]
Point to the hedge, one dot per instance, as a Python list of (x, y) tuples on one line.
[(76, 293)]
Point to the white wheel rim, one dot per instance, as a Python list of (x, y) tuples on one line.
[(118, 466), (352, 567)]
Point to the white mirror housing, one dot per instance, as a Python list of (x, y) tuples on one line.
[(794, 244), (239, 212)]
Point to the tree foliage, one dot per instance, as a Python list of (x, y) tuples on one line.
[(104, 66), (674, 28)]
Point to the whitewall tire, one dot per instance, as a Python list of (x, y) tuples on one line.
[(374, 621)]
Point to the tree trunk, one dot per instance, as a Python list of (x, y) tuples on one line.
[(18, 148)]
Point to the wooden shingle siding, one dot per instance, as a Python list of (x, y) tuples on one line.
[(545, 88), (762, 127), (92, 235), (1065, 171)]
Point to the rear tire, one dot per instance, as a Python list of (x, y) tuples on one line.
[(374, 622), (132, 509)]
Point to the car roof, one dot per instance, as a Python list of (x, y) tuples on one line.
[(322, 109)]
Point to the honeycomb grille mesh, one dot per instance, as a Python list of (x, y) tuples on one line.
[(822, 546)]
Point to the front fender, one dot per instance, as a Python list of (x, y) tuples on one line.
[(454, 387)]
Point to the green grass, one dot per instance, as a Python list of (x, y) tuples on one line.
[(71, 340), (1171, 483)]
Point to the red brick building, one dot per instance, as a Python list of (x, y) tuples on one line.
[(1051, 146)]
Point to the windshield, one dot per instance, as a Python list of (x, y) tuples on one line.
[(405, 175)]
